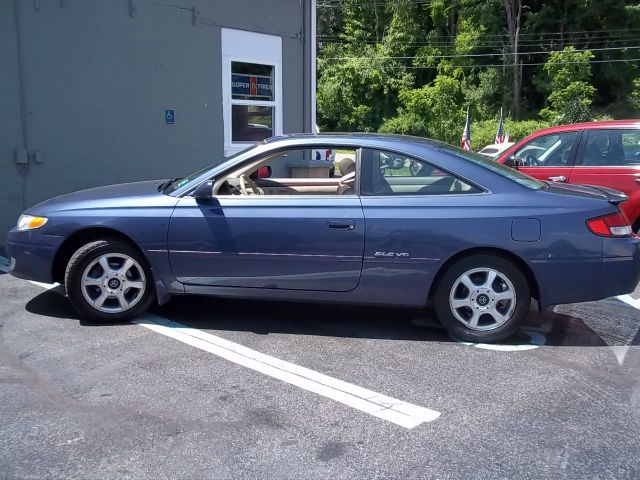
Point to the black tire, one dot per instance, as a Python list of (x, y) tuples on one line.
[(449, 280), (82, 258)]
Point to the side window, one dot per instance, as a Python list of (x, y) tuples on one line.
[(384, 173), (321, 170), (552, 150), (631, 147), (611, 148), (321, 162)]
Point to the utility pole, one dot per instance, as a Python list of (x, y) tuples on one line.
[(514, 20)]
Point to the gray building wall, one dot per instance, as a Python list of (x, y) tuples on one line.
[(86, 82)]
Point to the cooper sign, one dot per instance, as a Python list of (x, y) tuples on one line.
[(247, 87)]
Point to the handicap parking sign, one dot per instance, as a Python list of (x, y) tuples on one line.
[(169, 117)]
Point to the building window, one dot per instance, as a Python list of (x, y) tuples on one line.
[(252, 91), (252, 101)]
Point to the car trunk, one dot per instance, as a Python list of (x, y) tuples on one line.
[(614, 197)]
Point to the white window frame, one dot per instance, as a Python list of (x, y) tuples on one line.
[(257, 48)]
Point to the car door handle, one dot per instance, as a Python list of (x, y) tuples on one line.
[(342, 225), (559, 178)]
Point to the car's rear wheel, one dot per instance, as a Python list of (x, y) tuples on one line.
[(482, 298), (108, 281)]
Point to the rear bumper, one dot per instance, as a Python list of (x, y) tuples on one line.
[(617, 273), (31, 254)]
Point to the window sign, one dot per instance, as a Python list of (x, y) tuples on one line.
[(251, 87), (251, 81)]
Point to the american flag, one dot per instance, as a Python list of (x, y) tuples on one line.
[(465, 142), (500, 137)]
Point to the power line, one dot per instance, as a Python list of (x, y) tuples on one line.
[(482, 44), (484, 54), (370, 4), (579, 33), (501, 65), (479, 39)]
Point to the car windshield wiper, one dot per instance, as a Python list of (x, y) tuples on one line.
[(163, 186)]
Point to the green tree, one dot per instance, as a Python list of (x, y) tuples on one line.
[(571, 95), (434, 110), (357, 93), (412, 66), (634, 96)]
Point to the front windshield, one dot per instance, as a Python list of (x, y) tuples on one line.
[(490, 164), (182, 181)]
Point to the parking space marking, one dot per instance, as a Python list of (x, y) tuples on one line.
[(629, 300), (396, 411), (621, 351), (535, 340), (393, 410)]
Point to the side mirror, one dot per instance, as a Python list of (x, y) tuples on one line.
[(513, 162), (264, 172), (204, 191)]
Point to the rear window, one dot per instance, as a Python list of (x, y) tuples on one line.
[(488, 150), (498, 168)]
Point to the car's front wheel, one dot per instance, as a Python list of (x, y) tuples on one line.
[(108, 281), (482, 298)]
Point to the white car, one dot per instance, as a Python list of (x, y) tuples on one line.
[(494, 149)]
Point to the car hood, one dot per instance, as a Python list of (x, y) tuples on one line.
[(590, 191), (136, 194)]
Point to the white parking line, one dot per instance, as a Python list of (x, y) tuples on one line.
[(629, 300), (393, 410), (396, 411), (4, 264)]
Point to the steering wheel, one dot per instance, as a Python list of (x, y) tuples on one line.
[(530, 161), (246, 181)]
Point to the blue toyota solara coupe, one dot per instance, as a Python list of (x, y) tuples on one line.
[(403, 222)]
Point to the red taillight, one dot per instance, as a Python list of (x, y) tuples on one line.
[(614, 225)]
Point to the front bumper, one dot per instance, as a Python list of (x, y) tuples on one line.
[(31, 254)]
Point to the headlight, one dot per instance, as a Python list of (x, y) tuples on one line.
[(29, 222)]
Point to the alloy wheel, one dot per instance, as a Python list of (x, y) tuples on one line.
[(482, 299), (113, 283)]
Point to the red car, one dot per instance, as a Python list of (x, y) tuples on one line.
[(597, 153)]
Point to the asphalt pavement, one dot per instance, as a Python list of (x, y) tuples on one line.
[(561, 399)]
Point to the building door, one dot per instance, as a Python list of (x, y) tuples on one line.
[(12, 136)]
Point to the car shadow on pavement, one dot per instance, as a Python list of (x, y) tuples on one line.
[(54, 305), (609, 322), (263, 318)]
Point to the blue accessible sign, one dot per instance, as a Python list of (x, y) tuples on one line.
[(169, 117)]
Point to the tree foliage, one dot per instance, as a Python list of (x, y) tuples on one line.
[(571, 92), (413, 67)]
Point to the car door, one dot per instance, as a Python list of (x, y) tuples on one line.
[(549, 157), (412, 210), (298, 242), (611, 158)]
